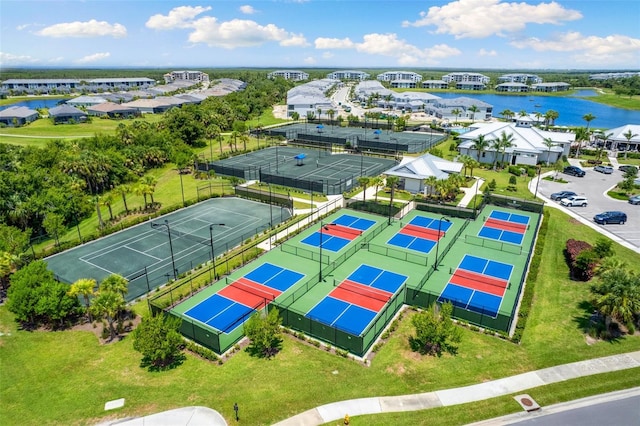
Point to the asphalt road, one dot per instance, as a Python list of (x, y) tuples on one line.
[(622, 412), (594, 186)]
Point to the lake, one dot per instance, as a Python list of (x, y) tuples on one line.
[(571, 108), (36, 103)]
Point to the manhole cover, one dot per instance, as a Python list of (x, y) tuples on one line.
[(527, 402)]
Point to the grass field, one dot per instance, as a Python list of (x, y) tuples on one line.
[(65, 377)]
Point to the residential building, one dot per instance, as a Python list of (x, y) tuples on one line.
[(399, 75), (194, 76), (446, 108), (16, 116), (403, 84), (69, 85), (550, 87), (384, 98), (348, 75), (66, 114), (293, 75), (613, 75), (307, 99), (528, 143), (466, 77), (412, 171), (520, 78), (435, 84), (86, 101), (112, 110), (512, 87), (619, 142), (470, 86)]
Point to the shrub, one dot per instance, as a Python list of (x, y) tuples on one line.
[(492, 185), (581, 258)]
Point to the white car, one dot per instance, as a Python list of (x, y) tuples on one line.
[(576, 200)]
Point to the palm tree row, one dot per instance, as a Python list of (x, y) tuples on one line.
[(500, 145)]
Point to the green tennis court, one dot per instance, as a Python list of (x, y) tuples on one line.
[(152, 253), (302, 168)]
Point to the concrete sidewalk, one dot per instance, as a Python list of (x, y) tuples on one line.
[(506, 386)]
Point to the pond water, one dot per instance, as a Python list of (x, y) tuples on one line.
[(571, 109), (36, 103)]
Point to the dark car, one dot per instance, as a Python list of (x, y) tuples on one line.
[(626, 168), (605, 218), (634, 199), (574, 171), (557, 196)]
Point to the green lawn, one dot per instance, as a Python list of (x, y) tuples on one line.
[(65, 377)]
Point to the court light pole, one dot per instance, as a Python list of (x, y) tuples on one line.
[(395, 139), (322, 226), (173, 262), (213, 253), (435, 264)]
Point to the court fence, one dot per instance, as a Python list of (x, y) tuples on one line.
[(269, 196), (492, 244), (355, 344)]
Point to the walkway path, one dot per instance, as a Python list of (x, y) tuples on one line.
[(470, 192), (506, 386)]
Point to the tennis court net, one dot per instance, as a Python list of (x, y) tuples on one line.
[(205, 241), (343, 229), (480, 278), (247, 288), (366, 291)]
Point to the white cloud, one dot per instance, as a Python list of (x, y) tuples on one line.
[(229, 34), (241, 33), (389, 45), (11, 59), (610, 50), (56, 59), (484, 18), (247, 10), (178, 17), (309, 60), (484, 52), (23, 27), (90, 28), (93, 58)]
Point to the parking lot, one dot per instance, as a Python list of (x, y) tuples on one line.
[(594, 186)]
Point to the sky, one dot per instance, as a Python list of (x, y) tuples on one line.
[(292, 34)]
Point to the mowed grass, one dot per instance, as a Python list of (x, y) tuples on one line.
[(43, 130), (66, 377)]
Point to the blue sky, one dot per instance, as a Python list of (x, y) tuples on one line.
[(585, 34)]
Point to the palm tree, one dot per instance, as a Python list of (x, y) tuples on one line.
[(115, 283), (431, 183), (507, 114), (480, 144), (363, 181), (84, 287), (377, 182), (523, 113), (319, 113), (108, 304), (588, 118), (151, 182), (538, 116), (582, 134), (107, 201), (618, 295), (331, 113), (505, 141), (96, 200), (123, 190), (456, 113), (550, 118), (548, 142), (604, 137), (234, 139), (466, 161), (473, 109), (244, 138), (628, 136), (295, 116)]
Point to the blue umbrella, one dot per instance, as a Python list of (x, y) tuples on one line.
[(377, 133), (320, 127)]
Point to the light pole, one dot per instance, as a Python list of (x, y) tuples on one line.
[(173, 263), (213, 254), (395, 139), (435, 264), (322, 226), (538, 182)]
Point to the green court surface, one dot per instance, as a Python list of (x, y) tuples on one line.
[(149, 256), (379, 247), (367, 137), (317, 170)]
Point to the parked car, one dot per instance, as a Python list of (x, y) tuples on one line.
[(574, 171), (627, 167), (605, 218), (634, 199), (575, 200), (607, 170), (557, 196)]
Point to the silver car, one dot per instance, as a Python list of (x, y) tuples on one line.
[(576, 200)]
